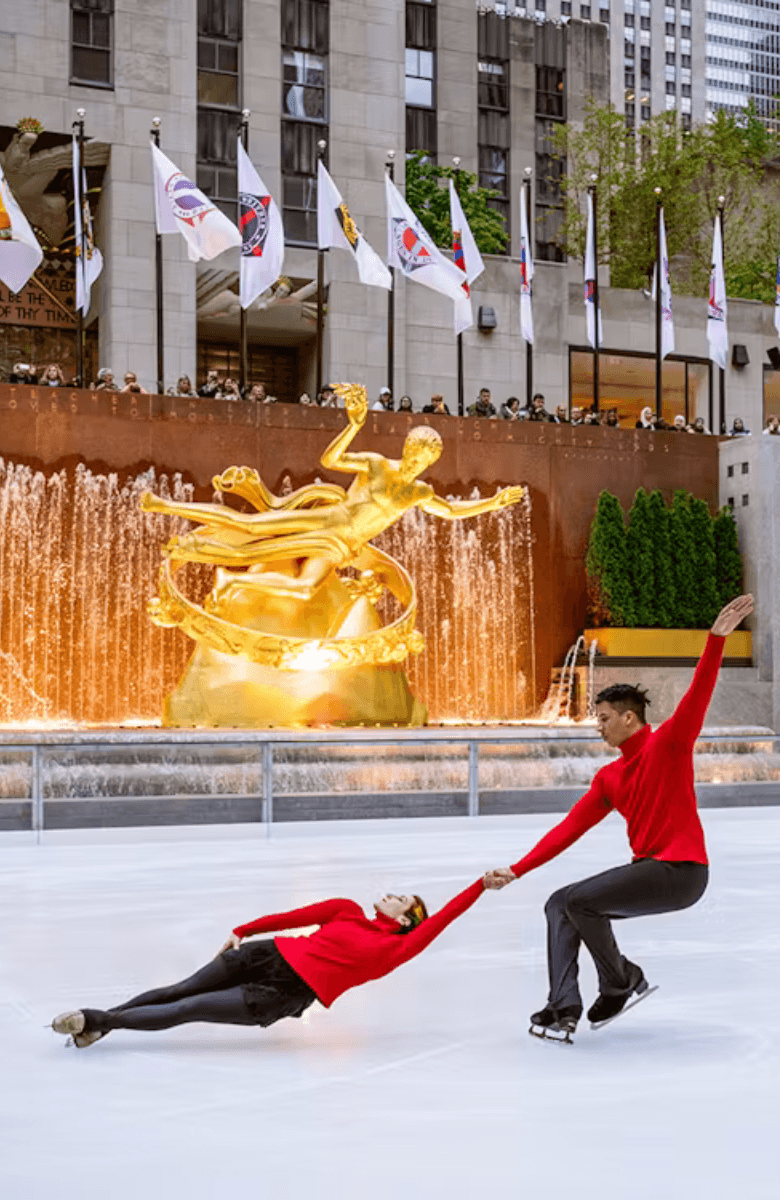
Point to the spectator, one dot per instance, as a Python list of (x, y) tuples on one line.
[(537, 411), (405, 404), (738, 428), (678, 425), (561, 416), (183, 387), (698, 426), (53, 376), (23, 373), (591, 417), (257, 393), (772, 425), (577, 416), (132, 384), (328, 398), (385, 401), (483, 406), (646, 419), (211, 388), (611, 419), (229, 390), (510, 409), (105, 381), (304, 398), (437, 405), (270, 399)]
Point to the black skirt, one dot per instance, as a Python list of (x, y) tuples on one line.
[(271, 988)]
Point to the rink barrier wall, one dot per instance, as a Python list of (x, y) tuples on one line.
[(41, 810)]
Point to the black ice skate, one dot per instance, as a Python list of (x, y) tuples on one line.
[(607, 1008), (555, 1024)]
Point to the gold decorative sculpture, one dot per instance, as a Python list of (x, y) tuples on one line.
[(285, 639)]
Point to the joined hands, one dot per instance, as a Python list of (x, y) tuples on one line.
[(498, 878)]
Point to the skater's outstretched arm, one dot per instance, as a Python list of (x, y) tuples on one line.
[(587, 812), (410, 944), (685, 723), (311, 914)]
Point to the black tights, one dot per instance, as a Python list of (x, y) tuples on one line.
[(205, 996)]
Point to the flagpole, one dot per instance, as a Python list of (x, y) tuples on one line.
[(529, 349), (390, 167), (322, 146), (722, 381), (242, 329), (79, 258), (659, 286), (158, 266), (594, 197), (459, 339)]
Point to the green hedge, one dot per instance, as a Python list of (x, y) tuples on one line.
[(661, 567)]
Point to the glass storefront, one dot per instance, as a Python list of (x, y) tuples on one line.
[(627, 383), (771, 393)]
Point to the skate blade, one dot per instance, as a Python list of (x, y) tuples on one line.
[(631, 1003), (551, 1035)]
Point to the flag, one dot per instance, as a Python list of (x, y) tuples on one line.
[(667, 320), (337, 230), (179, 207), (412, 250), (20, 253), (467, 259), (89, 260), (526, 274), (777, 297), (717, 333), (262, 233), (590, 280)]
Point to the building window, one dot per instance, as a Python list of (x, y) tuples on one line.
[(604, 16), (565, 8), (421, 78), (305, 47), (628, 20), (627, 384), (219, 100), (91, 38), (550, 56), (671, 87), (549, 92), (671, 58), (671, 29), (493, 131), (628, 79), (585, 12), (644, 22)]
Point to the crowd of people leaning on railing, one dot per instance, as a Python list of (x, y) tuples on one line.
[(218, 387)]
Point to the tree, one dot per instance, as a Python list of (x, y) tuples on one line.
[(660, 533), (431, 204), (728, 570), (683, 557), (641, 561), (610, 600), (706, 600)]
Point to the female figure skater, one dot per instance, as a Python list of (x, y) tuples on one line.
[(258, 983)]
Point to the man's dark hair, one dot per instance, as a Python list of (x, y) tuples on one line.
[(538, 396), (625, 697)]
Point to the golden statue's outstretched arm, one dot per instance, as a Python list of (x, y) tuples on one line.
[(456, 510), (334, 457)]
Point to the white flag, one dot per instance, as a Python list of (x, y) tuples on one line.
[(717, 333), (777, 297), (337, 230), (89, 260), (526, 275), (590, 280), (180, 207), (262, 233), (20, 253), (667, 320), (467, 259), (413, 251)]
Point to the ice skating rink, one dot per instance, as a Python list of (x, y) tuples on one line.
[(423, 1084)]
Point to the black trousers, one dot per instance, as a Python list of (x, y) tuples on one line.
[(249, 986), (582, 912)]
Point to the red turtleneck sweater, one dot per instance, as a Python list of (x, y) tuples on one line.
[(651, 784), (348, 949)]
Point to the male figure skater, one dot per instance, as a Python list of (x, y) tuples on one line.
[(651, 786)]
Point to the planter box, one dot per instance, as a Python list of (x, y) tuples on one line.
[(664, 643)]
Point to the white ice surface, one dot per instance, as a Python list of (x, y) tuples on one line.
[(424, 1084)]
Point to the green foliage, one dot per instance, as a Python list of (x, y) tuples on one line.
[(609, 591), (729, 156), (640, 560), (431, 204), (706, 598), (683, 558), (728, 561), (660, 531)]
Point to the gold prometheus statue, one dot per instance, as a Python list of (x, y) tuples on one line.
[(284, 638)]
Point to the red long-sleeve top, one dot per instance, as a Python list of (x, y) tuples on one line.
[(651, 784), (349, 949)]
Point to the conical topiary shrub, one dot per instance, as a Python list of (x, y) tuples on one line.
[(728, 569), (610, 599), (660, 531), (683, 562), (706, 604), (641, 561)]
